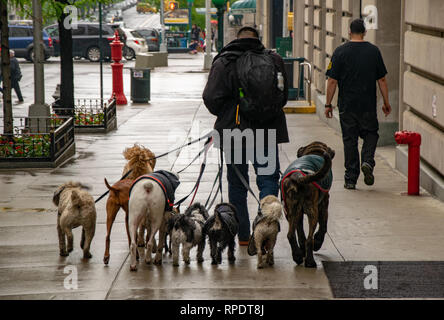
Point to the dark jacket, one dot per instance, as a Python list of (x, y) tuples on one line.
[(221, 94), (16, 74)]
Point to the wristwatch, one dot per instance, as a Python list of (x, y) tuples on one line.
[(328, 106)]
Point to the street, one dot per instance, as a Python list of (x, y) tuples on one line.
[(378, 223)]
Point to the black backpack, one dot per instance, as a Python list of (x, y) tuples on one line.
[(260, 99)]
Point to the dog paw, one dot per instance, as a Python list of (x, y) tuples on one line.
[(148, 261), (318, 241), (106, 259), (187, 261), (158, 262), (231, 260), (298, 259), (87, 255), (213, 262), (70, 249), (64, 253), (261, 266), (270, 262), (133, 268), (310, 263), (200, 259)]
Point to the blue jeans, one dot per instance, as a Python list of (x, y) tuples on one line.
[(237, 193)]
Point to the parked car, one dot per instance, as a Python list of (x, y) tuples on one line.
[(135, 44), (21, 40), (85, 40), (152, 38)]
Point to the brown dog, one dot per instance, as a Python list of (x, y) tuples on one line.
[(305, 189), (141, 161)]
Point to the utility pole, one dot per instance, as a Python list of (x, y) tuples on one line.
[(39, 109), (208, 59), (163, 43)]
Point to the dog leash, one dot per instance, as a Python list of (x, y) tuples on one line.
[(247, 185), (207, 147), (208, 135)]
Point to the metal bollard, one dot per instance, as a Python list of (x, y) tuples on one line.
[(413, 140), (117, 66)]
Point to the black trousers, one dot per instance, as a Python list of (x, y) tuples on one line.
[(16, 86), (354, 125)]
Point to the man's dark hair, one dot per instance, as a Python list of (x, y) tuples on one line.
[(248, 30), (357, 26)]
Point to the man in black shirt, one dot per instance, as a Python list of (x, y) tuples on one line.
[(356, 66)]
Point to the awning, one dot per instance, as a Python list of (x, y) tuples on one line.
[(243, 6)]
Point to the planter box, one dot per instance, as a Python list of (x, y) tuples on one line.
[(90, 115), (25, 149)]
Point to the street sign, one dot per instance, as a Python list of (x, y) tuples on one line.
[(178, 16)]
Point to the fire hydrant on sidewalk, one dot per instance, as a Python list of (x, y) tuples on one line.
[(413, 140), (117, 67)]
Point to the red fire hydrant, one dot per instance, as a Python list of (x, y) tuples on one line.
[(116, 55), (413, 140)]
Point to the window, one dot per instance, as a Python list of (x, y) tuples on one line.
[(136, 34), (93, 31), (20, 32), (80, 31)]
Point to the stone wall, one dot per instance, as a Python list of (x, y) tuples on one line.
[(423, 77)]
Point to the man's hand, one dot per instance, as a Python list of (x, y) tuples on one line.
[(387, 109), (329, 112)]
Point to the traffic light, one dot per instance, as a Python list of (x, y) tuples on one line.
[(173, 5)]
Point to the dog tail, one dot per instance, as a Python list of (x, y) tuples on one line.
[(75, 198), (110, 187), (148, 185), (317, 175)]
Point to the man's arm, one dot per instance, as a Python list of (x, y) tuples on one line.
[(331, 89), (386, 108), (217, 90)]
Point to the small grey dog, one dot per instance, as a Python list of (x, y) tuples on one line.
[(75, 208), (187, 230)]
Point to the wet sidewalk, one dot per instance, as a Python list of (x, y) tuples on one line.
[(371, 223)]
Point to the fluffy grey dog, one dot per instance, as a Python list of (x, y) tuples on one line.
[(186, 230), (75, 208)]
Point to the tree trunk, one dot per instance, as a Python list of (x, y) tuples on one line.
[(6, 69), (66, 65)]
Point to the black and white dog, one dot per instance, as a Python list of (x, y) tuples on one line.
[(186, 230), (221, 228)]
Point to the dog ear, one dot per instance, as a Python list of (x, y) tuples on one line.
[(301, 151), (332, 153)]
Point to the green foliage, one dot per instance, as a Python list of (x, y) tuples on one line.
[(26, 146)]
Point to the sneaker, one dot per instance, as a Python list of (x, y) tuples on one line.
[(350, 186), (367, 170)]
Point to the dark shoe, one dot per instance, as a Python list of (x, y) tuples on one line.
[(350, 186), (18, 102), (367, 170)]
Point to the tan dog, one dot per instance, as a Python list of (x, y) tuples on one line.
[(265, 230), (140, 161), (75, 208), (304, 193)]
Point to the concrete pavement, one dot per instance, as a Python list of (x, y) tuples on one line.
[(371, 223)]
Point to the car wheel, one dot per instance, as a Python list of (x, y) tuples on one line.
[(93, 54), (129, 54), (30, 56)]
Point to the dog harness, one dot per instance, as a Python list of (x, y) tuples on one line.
[(168, 181), (308, 164)]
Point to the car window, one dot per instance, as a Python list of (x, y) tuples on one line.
[(53, 31), (19, 32), (80, 31), (136, 34)]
